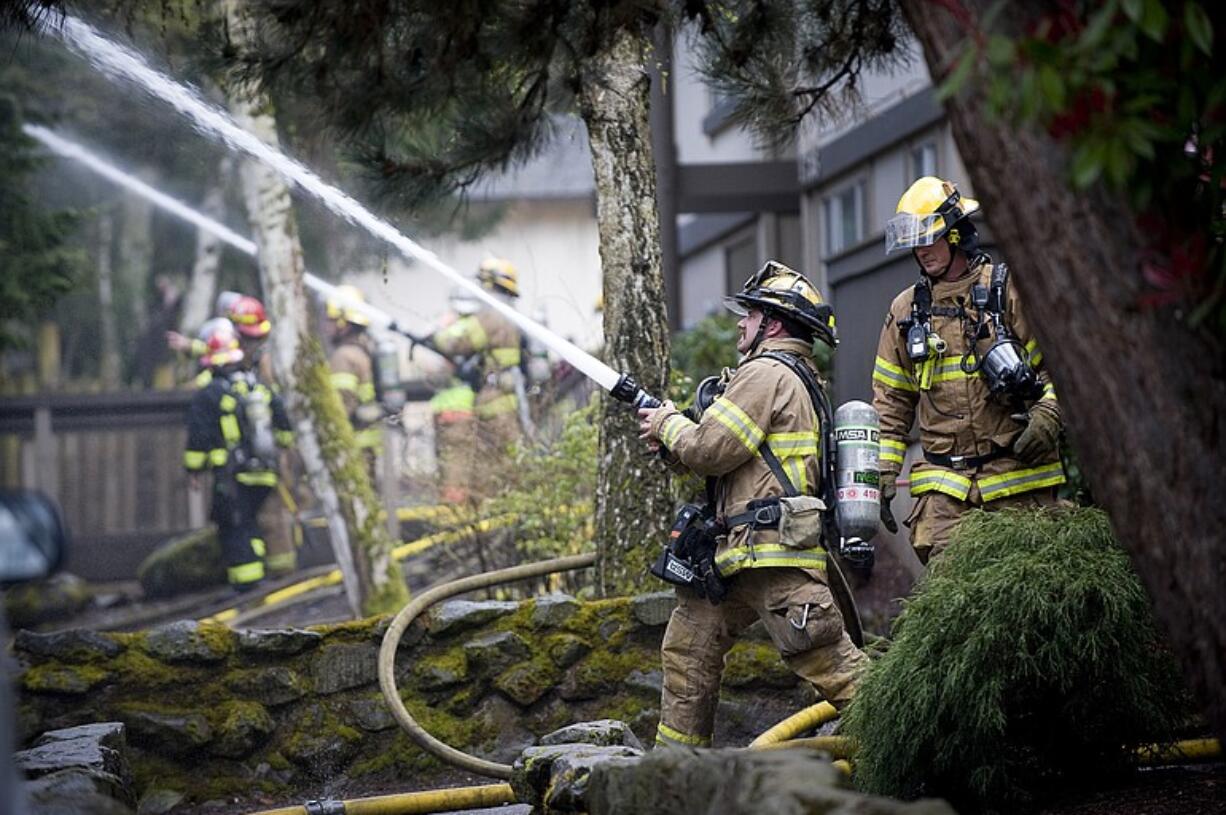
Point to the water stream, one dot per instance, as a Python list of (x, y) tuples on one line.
[(121, 63)]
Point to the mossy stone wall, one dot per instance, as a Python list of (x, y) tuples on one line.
[(212, 712)]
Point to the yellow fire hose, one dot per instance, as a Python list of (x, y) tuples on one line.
[(408, 803), (401, 622), (796, 724)]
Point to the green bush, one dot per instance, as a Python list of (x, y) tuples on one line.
[(1027, 661), (550, 490)]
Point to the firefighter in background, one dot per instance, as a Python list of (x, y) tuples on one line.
[(496, 340), (762, 431), (353, 370), (452, 407), (277, 515), (988, 441), (193, 348), (232, 430)]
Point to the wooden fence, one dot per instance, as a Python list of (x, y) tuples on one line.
[(114, 464)]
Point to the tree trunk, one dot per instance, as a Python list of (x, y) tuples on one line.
[(334, 464), (1144, 397), (134, 264), (633, 506), (108, 339), (202, 284)]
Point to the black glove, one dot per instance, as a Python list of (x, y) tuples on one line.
[(888, 491)]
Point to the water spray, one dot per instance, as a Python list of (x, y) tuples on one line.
[(119, 62)]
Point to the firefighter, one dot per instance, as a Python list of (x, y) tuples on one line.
[(276, 516), (353, 370), (956, 352), (232, 430), (455, 423), (192, 347), (496, 341), (763, 429)]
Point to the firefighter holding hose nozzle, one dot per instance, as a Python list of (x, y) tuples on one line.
[(754, 550)]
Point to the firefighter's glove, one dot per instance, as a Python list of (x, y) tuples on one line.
[(888, 491), (1041, 437)]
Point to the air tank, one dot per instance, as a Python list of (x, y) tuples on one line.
[(857, 474)]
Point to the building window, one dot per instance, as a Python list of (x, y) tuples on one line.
[(844, 214), (740, 261), (923, 160)]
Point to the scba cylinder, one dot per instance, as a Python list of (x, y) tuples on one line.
[(857, 474)]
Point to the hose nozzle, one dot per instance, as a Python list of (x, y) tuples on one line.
[(628, 391)]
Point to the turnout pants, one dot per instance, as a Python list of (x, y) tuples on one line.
[(803, 622), (935, 516), (236, 508)]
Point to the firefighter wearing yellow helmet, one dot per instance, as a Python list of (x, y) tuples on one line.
[(756, 443), (353, 368), (958, 355), (495, 343)]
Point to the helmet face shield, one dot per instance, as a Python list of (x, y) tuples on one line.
[(907, 231), (736, 307)]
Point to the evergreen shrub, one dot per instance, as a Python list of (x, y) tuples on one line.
[(1027, 661)]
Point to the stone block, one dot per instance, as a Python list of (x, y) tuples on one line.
[(552, 610), (345, 665), (567, 649), (277, 642), (272, 686), (189, 641), (523, 684), (85, 763), (496, 651), (653, 609), (602, 733), (461, 615), (184, 564), (175, 733), (734, 782), (68, 646), (555, 777), (244, 726)]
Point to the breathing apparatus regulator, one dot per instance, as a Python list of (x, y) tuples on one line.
[(1005, 365)]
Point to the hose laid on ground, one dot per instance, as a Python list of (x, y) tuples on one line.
[(407, 803), (401, 622), (796, 724), (1181, 752), (836, 746)]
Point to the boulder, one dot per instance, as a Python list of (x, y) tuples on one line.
[(188, 563), (68, 680), (734, 782), (553, 610), (372, 715), (602, 733), (458, 615), (189, 641), (59, 596)]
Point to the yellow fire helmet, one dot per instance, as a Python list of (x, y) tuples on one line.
[(341, 306), (499, 275), (778, 290), (929, 210)]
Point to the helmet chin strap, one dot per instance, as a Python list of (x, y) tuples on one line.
[(759, 335)]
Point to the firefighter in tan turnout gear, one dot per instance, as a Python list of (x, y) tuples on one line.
[(496, 342), (763, 430), (957, 354), (353, 370)]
